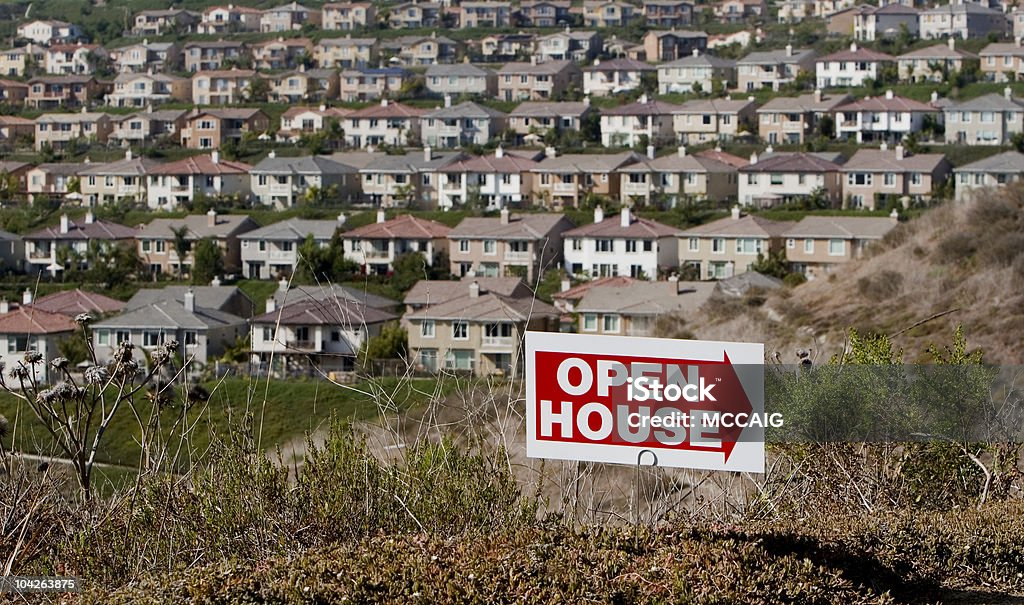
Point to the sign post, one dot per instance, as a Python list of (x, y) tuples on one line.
[(692, 404)]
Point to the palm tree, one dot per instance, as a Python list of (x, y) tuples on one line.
[(181, 246)]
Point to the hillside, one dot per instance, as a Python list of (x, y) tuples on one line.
[(954, 265)]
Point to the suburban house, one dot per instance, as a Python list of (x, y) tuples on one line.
[(620, 245), (851, 67), (286, 181), (164, 21), (883, 118), (990, 119), (213, 55), (49, 181), (229, 19), (935, 63), (56, 130), (45, 249), (606, 78), (677, 177), (568, 45), (778, 178), (633, 309), (14, 61), (608, 13), (1003, 61), (701, 121), (737, 11), (146, 56), (794, 11), (885, 21), (461, 79), (298, 121), (793, 120), (50, 31), (642, 123), (349, 15), (318, 337), (818, 245), (511, 245), (660, 46), (148, 126), (729, 246), (212, 128), (345, 52), (50, 92), (370, 83), (281, 53), (963, 19), (389, 123), (25, 329), (13, 128), (478, 331), (376, 246), (272, 252), (532, 120), (537, 81), (170, 186), (696, 72), (981, 177), (464, 124), (71, 303), (105, 183), (74, 59), (12, 251), (143, 89), (14, 176), (202, 333), (289, 17), (13, 93), (229, 299), (303, 85), (773, 68), (159, 240), (497, 181), (222, 87), (668, 13), (873, 178), (419, 50), (544, 13), (507, 47), (409, 180), (415, 15), (565, 181), (487, 13)]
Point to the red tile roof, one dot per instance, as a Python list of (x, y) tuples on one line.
[(405, 226), (612, 227), (723, 157), (73, 302), (202, 164), (886, 103), (26, 320), (391, 110)]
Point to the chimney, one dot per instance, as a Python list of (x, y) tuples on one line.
[(736, 212), (566, 284), (769, 149), (211, 218), (342, 218), (190, 301), (282, 285), (428, 154), (853, 47), (899, 153), (952, 43), (894, 216), (753, 158), (935, 97), (533, 60), (65, 224), (504, 216), (817, 95), (499, 152), (598, 214), (272, 154), (682, 151), (381, 216), (323, 107), (1008, 93), (474, 290), (271, 304), (650, 152), (884, 146), (624, 218), (383, 102), (586, 101), (5, 307), (90, 218), (26, 297), (550, 152), (889, 94), (447, 100), (128, 155), (215, 282), (215, 157), (643, 99), (789, 50), (1019, 41), (696, 52), (597, 62)]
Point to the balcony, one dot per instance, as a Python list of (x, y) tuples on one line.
[(500, 343), (564, 187), (375, 253), (302, 345), (519, 256), (281, 255), (278, 189)]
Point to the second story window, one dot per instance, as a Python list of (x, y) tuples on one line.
[(604, 245), (464, 246), (427, 328), (460, 330), (490, 246)]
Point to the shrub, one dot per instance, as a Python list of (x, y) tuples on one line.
[(957, 248), (880, 286)]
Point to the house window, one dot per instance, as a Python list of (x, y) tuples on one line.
[(693, 244), (146, 244), (589, 322), (150, 338), (103, 338), (122, 336), (460, 330), (836, 247), (890, 179), (808, 246), (630, 245), (268, 334), (603, 245), (791, 243), (748, 245), (577, 244), (611, 323), (490, 246), (718, 245), (161, 246), (427, 328), (17, 344), (191, 338), (915, 178), (464, 245)]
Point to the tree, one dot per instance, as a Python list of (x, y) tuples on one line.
[(774, 265), (408, 269), (182, 246), (391, 343), (209, 261), (258, 90), (313, 264)]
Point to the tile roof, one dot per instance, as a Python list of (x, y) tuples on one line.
[(335, 112), (576, 292), (714, 105), (726, 158), (388, 110), (1006, 162), (434, 291), (937, 51), (646, 298), (745, 226), (170, 314), (620, 65), (199, 227), (542, 68), (774, 57), (845, 227), (307, 165), (332, 311), (29, 320), (519, 227), (650, 108), (673, 162), (810, 102), (595, 163), (132, 167), (698, 60), (74, 302), (467, 109), (405, 226), (886, 102), (98, 229), (990, 102), (544, 109), (201, 164), (792, 162), (225, 73), (221, 298), (331, 291), (857, 53), (294, 229), (878, 160), (227, 113), (457, 69), (638, 228), (489, 164), (487, 306)]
